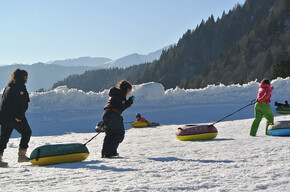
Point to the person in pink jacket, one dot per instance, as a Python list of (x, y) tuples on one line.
[(262, 107)]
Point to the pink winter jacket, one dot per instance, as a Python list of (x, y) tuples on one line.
[(264, 93)]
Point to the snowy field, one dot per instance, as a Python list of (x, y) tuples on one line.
[(152, 159)]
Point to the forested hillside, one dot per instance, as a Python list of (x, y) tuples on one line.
[(255, 55), (243, 45), (97, 80)]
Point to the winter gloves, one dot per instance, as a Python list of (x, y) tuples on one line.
[(131, 100)]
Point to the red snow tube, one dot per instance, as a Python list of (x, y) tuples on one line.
[(196, 132)]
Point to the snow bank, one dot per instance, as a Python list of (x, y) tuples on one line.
[(65, 110), (153, 94), (62, 98), (224, 94)]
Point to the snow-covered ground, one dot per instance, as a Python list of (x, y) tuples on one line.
[(152, 159)]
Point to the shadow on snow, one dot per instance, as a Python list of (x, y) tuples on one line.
[(90, 165), (169, 159)]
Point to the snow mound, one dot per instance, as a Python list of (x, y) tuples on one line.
[(64, 110), (148, 94), (63, 98)]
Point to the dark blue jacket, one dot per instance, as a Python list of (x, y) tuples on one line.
[(14, 103), (117, 101)]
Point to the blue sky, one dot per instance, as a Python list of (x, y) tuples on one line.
[(43, 30)]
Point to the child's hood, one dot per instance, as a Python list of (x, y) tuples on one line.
[(265, 86), (114, 92)]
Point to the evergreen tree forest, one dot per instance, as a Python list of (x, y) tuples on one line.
[(251, 41), (282, 69)]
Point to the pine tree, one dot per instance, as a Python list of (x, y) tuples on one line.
[(282, 69), (267, 63)]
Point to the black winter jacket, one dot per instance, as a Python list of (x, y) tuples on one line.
[(14, 102), (117, 101)]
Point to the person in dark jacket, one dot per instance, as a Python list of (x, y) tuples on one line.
[(286, 104), (113, 121), (14, 104)]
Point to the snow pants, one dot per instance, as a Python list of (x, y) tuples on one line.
[(261, 109), (115, 133), (6, 130)]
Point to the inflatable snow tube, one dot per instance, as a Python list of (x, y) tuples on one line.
[(143, 124), (283, 110), (196, 132), (139, 124), (280, 128), (56, 154)]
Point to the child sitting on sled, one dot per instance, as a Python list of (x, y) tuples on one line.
[(281, 104), (142, 119)]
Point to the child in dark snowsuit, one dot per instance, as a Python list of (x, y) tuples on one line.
[(262, 107), (286, 104), (113, 121), (14, 104)]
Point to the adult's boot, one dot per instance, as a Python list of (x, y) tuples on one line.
[(2, 163), (22, 156)]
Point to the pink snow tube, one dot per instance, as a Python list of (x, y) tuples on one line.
[(196, 132)]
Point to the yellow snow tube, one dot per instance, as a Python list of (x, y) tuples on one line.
[(283, 110), (204, 136), (196, 132), (139, 124), (60, 153), (71, 158), (144, 124)]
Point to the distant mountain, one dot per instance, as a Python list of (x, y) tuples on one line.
[(44, 75), (134, 59), (82, 61), (40, 75), (105, 63), (100, 79)]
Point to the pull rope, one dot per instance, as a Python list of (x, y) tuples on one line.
[(91, 139), (98, 132), (252, 103)]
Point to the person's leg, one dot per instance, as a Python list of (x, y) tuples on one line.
[(106, 152), (268, 115), (278, 104), (24, 129), (115, 144), (6, 131), (119, 134), (257, 119), (108, 119)]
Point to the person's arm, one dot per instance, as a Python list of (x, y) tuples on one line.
[(129, 102), (19, 105), (145, 120)]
